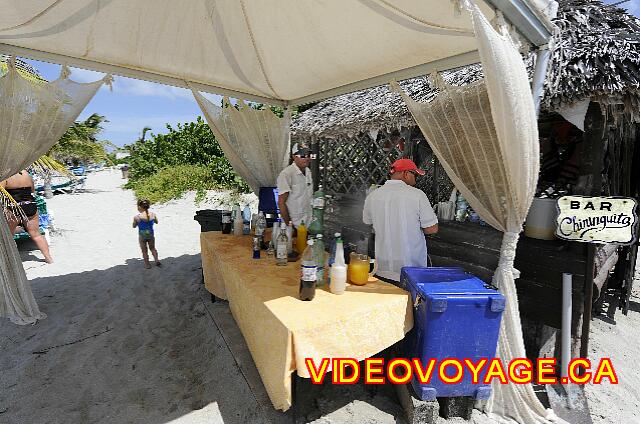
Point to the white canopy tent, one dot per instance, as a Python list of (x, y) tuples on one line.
[(283, 53), (293, 52)]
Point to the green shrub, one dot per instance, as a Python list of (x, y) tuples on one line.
[(191, 143), (187, 158), (173, 181)]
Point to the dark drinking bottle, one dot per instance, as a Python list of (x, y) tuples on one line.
[(226, 222), (308, 275)]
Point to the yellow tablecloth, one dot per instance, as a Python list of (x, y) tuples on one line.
[(281, 330)]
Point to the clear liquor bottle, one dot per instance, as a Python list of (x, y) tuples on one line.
[(282, 244)]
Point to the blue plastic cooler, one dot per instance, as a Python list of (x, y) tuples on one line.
[(455, 315)]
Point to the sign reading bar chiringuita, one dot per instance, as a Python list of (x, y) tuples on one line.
[(597, 219)]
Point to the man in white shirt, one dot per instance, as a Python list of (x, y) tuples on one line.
[(401, 215), (295, 187)]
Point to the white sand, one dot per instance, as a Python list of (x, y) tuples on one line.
[(621, 343), (155, 355), (123, 344)]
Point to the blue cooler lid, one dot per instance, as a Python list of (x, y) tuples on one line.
[(443, 280), (471, 286), (434, 274)]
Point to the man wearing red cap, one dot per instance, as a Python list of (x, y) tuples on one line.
[(401, 215)]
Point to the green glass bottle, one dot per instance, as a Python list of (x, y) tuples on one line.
[(318, 253), (317, 220)]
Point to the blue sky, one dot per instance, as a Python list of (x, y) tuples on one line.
[(134, 104), (633, 6)]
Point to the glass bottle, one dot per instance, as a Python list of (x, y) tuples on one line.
[(308, 275), (261, 224), (260, 227), (226, 222), (318, 198), (281, 246), (318, 249), (246, 220), (317, 220), (289, 231), (237, 221)]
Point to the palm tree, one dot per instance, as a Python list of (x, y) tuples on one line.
[(43, 164), (78, 144), (144, 134)]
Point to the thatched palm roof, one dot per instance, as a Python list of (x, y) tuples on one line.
[(596, 55)]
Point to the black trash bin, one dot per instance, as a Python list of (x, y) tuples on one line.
[(209, 219)]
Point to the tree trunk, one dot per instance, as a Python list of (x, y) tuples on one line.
[(48, 193)]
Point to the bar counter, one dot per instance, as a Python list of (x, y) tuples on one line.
[(281, 330)]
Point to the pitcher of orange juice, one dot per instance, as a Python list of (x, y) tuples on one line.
[(359, 269)]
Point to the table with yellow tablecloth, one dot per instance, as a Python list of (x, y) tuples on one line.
[(281, 330)]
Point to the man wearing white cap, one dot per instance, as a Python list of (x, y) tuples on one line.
[(401, 215), (295, 187)]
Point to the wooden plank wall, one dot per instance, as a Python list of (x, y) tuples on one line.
[(541, 263)]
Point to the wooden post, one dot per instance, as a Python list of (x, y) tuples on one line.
[(631, 268), (408, 143), (315, 164), (593, 137)]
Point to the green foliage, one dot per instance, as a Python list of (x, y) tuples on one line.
[(187, 158), (192, 143), (79, 143), (172, 182)]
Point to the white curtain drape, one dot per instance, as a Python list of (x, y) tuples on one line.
[(256, 142), (33, 117), (486, 137)]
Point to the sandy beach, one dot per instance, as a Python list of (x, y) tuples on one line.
[(123, 344)]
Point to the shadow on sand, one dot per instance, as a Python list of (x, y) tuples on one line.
[(121, 345), (125, 344)]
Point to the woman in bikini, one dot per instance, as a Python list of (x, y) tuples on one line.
[(144, 220), (20, 187)]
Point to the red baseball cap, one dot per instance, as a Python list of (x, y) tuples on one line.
[(405, 165)]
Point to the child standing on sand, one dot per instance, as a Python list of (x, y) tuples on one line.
[(144, 220)]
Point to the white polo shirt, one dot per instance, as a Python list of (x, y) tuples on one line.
[(398, 213), (300, 188)]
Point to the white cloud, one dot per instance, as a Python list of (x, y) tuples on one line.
[(84, 75), (131, 86), (136, 87), (122, 130), (129, 124), (145, 88)]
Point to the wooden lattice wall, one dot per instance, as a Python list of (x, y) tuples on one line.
[(350, 166)]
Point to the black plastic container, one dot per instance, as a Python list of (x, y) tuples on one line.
[(209, 220)]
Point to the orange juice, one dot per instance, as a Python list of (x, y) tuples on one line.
[(358, 271), (301, 238)]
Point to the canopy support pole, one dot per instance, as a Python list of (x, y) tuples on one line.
[(539, 75)]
